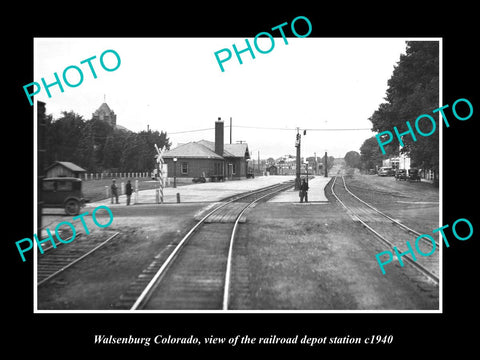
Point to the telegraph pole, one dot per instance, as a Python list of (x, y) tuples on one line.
[(258, 163), (326, 165), (297, 145)]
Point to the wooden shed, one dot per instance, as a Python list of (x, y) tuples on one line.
[(64, 168)]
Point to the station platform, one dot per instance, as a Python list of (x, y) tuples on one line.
[(316, 192), (206, 192)]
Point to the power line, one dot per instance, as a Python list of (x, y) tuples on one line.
[(189, 131), (274, 128), (352, 129), (296, 129)]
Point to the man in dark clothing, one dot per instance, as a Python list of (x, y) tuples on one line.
[(114, 190), (304, 191), (128, 191)]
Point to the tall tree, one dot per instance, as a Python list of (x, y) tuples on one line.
[(100, 131), (86, 149), (370, 154), (413, 90), (97, 146), (352, 159), (63, 136), (330, 161)]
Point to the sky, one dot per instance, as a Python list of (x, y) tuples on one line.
[(176, 85)]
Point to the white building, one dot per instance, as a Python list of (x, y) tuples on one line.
[(400, 162)]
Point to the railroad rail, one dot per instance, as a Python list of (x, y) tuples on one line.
[(54, 262), (396, 222), (379, 224), (196, 273)]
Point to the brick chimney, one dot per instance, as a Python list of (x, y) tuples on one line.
[(219, 137)]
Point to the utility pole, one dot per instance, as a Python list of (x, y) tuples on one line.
[(41, 131), (230, 129), (326, 165), (258, 160), (297, 145)]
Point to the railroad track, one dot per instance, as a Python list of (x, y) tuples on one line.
[(389, 231), (56, 260), (196, 272)]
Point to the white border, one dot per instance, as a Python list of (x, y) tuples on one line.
[(440, 291)]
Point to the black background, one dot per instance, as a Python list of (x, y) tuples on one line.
[(60, 335)]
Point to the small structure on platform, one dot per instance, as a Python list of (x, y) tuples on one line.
[(64, 169)]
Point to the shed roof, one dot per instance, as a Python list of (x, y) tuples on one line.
[(69, 165)]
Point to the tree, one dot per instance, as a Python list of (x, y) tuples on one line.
[(270, 161), (129, 152), (113, 150), (147, 147), (97, 146), (86, 149), (330, 161), (413, 90), (63, 136), (370, 154), (101, 130), (352, 159), (109, 154)]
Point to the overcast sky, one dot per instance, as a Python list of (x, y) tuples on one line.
[(176, 85)]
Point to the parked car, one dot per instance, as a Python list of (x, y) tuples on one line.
[(414, 175), (401, 174), (386, 171), (63, 192), (199, 179)]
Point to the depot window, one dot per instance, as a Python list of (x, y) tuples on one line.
[(184, 168)]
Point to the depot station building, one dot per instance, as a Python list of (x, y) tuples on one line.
[(213, 160)]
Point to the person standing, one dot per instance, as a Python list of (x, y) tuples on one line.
[(128, 191), (114, 190), (304, 191)]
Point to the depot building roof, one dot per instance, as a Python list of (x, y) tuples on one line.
[(206, 150)]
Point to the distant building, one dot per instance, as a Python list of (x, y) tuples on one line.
[(400, 162), (272, 170), (64, 168), (209, 159), (286, 165), (404, 162), (104, 113)]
